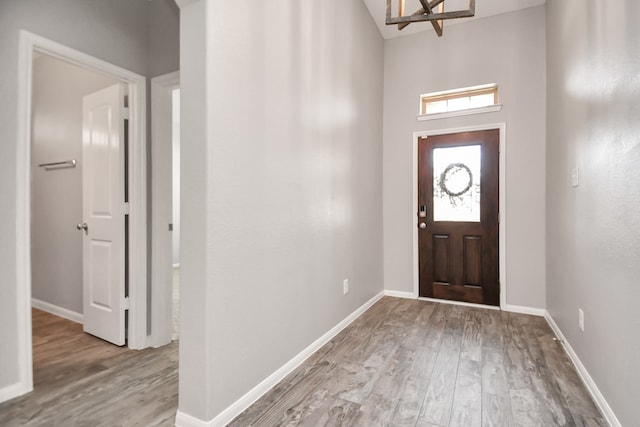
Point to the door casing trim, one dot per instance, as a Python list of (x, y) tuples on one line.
[(137, 337), (502, 255)]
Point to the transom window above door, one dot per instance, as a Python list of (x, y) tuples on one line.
[(468, 100)]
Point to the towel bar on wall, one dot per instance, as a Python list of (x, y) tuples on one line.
[(58, 165)]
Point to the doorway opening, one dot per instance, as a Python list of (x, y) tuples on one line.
[(57, 167), (165, 190), (34, 48), (458, 216), (423, 208)]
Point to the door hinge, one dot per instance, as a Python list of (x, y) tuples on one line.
[(125, 113), (126, 303), (126, 208), (498, 217)]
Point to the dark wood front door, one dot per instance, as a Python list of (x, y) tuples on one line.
[(458, 216)]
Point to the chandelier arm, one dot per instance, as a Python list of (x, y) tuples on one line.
[(437, 25), (421, 11)]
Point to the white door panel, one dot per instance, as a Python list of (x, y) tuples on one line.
[(103, 212)]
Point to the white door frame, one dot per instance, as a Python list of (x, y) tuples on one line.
[(161, 173), (137, 335), (502, 241)]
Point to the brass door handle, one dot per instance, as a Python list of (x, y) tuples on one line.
[(422, 225)]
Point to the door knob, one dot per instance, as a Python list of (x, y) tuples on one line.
[(423, 225), (83, 226)]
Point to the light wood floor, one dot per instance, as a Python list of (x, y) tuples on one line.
[(80, 380), (402, 363), (415, 363)]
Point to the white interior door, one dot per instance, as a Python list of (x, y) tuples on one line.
[(104, 214)]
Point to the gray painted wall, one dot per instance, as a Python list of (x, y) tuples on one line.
[(56, 197), (117, 31), (593, 230), (164, 37), (509, 50), (281, 196)]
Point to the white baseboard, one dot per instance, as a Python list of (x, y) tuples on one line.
[(400, 294), (512, 308), (57, 310), (184, 420), (14, 390), (524, 310), (598, 398), (226, 416)]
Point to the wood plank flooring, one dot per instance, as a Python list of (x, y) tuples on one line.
[(80, 380), (402, 363), (416, 363)]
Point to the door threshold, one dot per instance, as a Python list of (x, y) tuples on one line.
[(466, 304)]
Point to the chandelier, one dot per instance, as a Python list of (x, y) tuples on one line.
[(432, 11)]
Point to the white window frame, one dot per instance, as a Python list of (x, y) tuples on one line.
[(466, 92)]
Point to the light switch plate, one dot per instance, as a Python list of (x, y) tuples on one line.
[(581, 319), (575, 177)]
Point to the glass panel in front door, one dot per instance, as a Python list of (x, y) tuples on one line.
[(456, 183)]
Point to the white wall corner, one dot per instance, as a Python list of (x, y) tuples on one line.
[(185, 420), (400, 294), (14, 390), (597, 396), (185, 3), (226, 416), (541, 312)]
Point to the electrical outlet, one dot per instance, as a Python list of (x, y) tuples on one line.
[(581, 319), (345, 286)]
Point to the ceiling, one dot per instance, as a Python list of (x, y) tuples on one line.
[(484, 8)]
